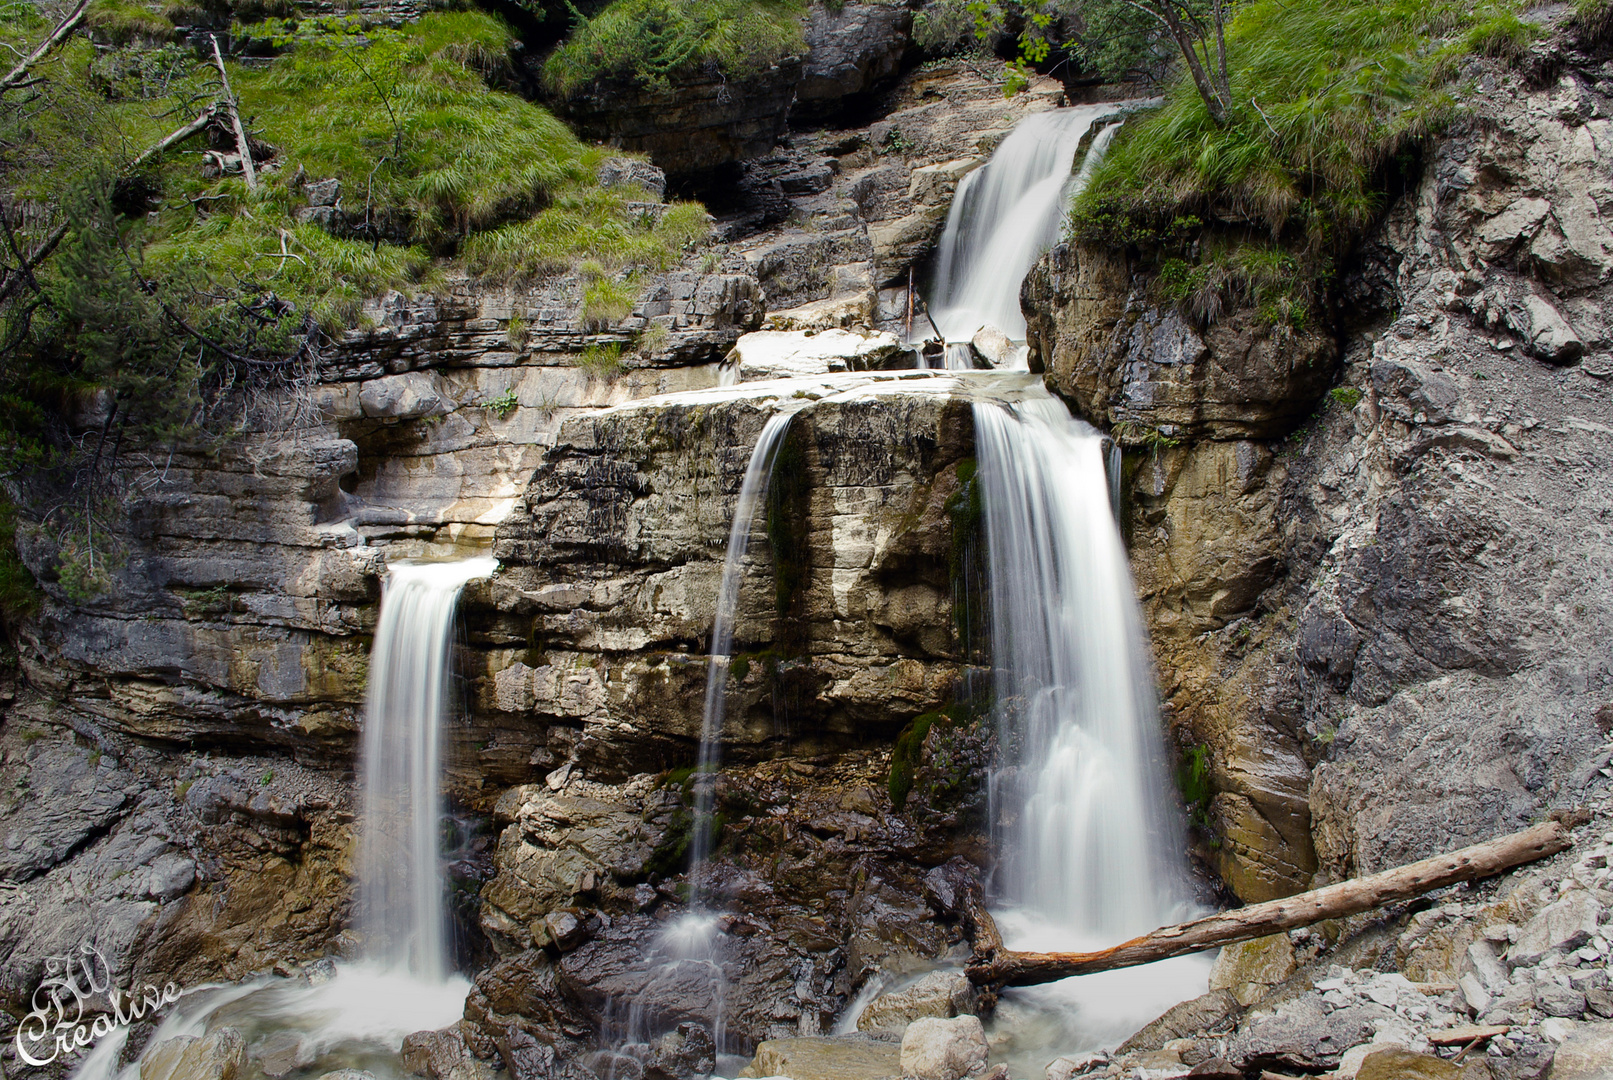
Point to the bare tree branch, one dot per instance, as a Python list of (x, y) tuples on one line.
[(17, 77)]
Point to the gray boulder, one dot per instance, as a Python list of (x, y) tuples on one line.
[(937, 1049), (853, 51), (404, 397)]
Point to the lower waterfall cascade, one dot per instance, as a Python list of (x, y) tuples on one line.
[(1088, 844), (355, 1014)]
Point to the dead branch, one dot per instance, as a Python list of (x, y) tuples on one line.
[(17, 77), (177, 136), (994, 967), (235, 119)]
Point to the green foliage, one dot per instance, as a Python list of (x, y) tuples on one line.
[(267, 778), (1193, 781), (504, 404), (1328, 97), (895, 142), (406, 120), (1592, 18), (653, 340), (583, 223), (1502, 35), (1258, 274), (19, 593), (653, 41), (123, 21), (515, 332), (904, 756), (602, 360), (606, 301), (1347, 396)]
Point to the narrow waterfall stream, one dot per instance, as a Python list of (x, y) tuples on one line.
[(356, 1014), (1087, 842), (1003, 217), (688, 953), (751, 492)]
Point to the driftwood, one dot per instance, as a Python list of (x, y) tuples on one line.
[(18, 76), (993, 967), (235, 119)]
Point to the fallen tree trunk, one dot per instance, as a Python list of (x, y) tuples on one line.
[(994, 967), (241, 143)]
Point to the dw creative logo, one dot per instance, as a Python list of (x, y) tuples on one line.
[(57, 1027)]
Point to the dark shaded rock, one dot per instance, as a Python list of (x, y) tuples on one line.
[(686, 1052), (853, 51), (1124, 361), (692, 126), (1301, 1035)]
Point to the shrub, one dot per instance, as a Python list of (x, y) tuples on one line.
[(602, 361), (605, 302), (653, 40)]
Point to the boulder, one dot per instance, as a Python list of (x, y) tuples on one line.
[(942, 994), (282, 1053), (993, 346), (1586, 1054), (1250, 969), (1398, 1063), (939, 1049), (219, 1056), (1203, 1013), (1565, 925), (777, 354), (623, 171), (408, 396), (440, 1055), (684, 1053), (827, 1059)]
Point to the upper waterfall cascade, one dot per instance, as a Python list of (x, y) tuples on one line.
[(1004, 216)]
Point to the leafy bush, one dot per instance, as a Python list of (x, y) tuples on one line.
[(653, 40), (606, 302)]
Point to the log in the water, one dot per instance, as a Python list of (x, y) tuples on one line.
[(994, 967)]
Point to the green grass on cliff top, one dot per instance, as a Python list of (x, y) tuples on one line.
[(653, 40), (1330, 96), (404, 117)]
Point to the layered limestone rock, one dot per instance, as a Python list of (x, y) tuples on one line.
[(844, 631), (234, 614)]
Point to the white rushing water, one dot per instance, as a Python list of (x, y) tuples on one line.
[(355, 1015), (1003, 217), (400, 882), (1087, 839), (758, 471)]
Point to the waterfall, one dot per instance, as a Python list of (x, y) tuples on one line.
[(1003, 217), (400, 881), (751, 492), (1087, 840)]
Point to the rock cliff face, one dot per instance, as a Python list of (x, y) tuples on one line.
[(1379, 608)]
